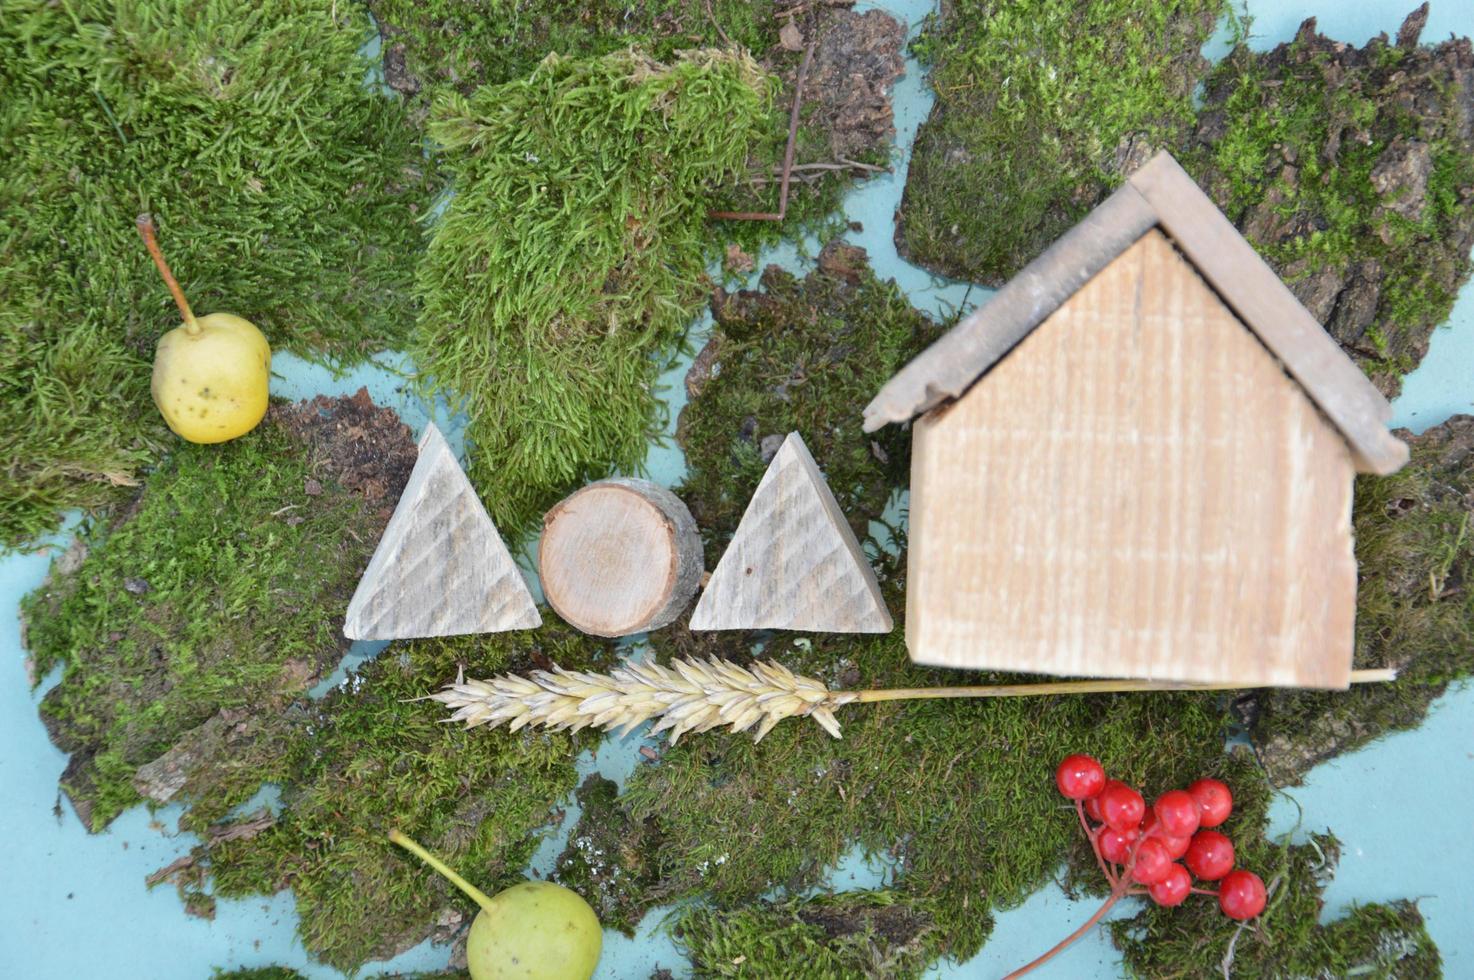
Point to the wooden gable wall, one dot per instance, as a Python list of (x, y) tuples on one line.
[(1136, 490)]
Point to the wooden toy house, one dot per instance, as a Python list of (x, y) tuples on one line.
[(1137, 459)]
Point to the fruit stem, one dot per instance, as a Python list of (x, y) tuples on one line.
[(1116, 895), (145, 224), (1094, 839), (474, 893)]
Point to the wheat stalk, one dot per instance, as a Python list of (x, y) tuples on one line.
[(697, 696)]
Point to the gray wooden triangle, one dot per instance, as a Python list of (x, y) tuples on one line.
[(441, 568), (794, 563)]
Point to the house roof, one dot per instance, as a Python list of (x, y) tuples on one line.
[(1159, 195)]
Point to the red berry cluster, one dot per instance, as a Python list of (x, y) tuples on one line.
[(1139, 849), (1145, 846)]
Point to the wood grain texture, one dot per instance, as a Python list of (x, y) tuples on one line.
[(794, 563), (1136, 490), (620, 556), (955, 361), (1265, 304), (441, 568)]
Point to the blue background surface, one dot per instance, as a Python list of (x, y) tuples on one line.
[(74, 904)]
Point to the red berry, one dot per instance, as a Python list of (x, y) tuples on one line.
[(1177, 812), (1215, 801), (1092, 808), (1153, 863), (1080, 777), (1210, 855), (1121, 807), (1241, 896), (1176, 846), (1115, 845), (1173, 888)]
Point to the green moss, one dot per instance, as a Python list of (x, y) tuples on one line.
[(800, 355), (610, 859), (367, 758), (833, 937), (435, 46), (219, 590), (1352, 171), (570, 255), (960, 793), (461, 44), (1415, 609), (287, 973), (1042, 107), (286, 192)]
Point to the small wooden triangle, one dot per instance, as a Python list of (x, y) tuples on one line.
[(794, 563), (441, 568)]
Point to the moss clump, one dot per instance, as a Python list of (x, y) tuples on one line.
[(800, 355), (1415, 608), (286, 193), (287, 973), (217, 593), (364, 759), (1042, 107), (570, 255), (462, 44), (833, 937), (610, 859), (1352, 171), (961, 794), (1288, 939)]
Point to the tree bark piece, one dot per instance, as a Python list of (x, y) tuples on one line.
[(441, 568), (794, 563), (620, 556)]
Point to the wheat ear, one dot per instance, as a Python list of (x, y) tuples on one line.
[(699, 695), (687, 696)]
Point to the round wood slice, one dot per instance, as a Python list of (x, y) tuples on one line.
[(619, 556)]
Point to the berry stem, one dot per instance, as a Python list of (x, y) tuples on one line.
[(1116, 895), (1120, 888), (1094, 839), (145, 224), (1202, 891)]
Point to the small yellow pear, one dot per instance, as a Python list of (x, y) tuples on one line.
[(537, 930), (212, 373)]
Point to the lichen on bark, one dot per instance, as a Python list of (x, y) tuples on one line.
[(1351, 170)]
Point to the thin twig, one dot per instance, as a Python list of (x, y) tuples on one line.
[(799, 169), (798, 97), (717, 24)]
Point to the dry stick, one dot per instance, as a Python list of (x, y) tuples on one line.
[(145, 223), (1372, 676), (717, 24), (798, 96)]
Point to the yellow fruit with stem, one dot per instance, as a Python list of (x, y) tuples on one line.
[(537, 930), (211, 374)]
